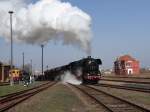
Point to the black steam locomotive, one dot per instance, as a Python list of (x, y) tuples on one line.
[(86, 69)]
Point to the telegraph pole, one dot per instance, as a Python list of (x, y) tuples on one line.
[(31, 67), (31, 72), (47, 67), (11, 66), (23, 61), (42, 46)]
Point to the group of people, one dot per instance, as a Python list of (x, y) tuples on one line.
[(27, 78)]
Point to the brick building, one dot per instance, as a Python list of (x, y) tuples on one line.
[(126, 65), (4, 72)]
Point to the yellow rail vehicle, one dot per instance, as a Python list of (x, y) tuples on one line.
[(16, 74)]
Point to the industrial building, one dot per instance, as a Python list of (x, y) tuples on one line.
[(126, 65)]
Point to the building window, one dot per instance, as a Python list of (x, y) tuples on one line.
[(128, 64)]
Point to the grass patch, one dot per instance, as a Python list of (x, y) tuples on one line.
[(4, 90), (56, 99), (134, 96)]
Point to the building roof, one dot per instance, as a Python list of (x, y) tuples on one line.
[(126, 58), (4, 64)]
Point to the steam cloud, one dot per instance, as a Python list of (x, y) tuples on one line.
[(46, 20), (67, 77)]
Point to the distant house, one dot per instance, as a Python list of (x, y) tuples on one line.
[(126, 65), (107, 71)]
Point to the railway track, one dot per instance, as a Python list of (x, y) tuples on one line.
[(11, 100), (110, 102), (145, 90), (16, 93), (4, 84), (126, 81), (126, 77)]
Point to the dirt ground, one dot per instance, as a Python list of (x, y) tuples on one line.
[(59, 98), (145, 75), (64, 98), (140, 98)]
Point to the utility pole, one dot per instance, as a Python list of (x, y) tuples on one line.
[(11, 66), (47, 67), (42, 46), (23, 61), (31, 72), (31, 67)]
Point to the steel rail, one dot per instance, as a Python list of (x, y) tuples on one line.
[(19, 92), (4, 84), (126, 81), (121, 99), (126, 77), (86, 89), (145, 90), (24, 96), (92, 97)]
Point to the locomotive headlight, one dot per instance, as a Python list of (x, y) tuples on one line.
[(88, 74)]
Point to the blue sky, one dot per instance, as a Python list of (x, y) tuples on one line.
[(119, 27)]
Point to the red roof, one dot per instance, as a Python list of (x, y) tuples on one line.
[(126, 58)]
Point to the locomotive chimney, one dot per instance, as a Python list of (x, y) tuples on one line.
[(89, 56)]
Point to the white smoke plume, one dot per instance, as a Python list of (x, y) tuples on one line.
[(67, 77), (37, 23)]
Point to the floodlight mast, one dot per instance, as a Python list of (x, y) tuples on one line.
[(11, 35)]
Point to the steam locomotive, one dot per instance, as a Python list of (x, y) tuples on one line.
[(86, 70)]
